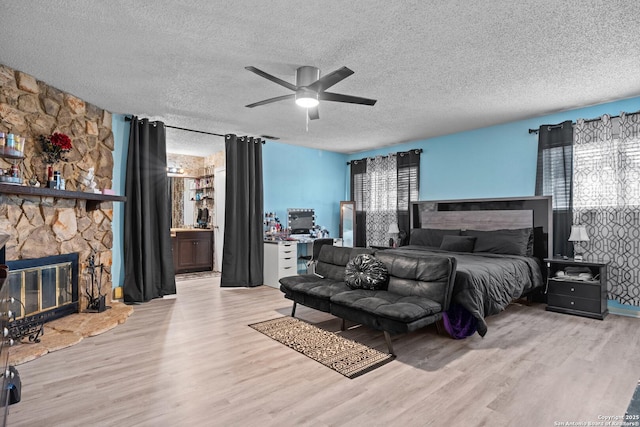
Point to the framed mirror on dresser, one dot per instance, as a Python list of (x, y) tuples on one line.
[(348, 223)]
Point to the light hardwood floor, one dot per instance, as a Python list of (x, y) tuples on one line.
[(193, 361)]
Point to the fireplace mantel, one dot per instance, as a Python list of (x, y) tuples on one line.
[(93, 199)]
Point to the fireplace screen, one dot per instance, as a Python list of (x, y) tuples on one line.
[(40, 288), (43, 289)]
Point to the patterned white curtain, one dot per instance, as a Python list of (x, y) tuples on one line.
[(381, 198), (606, 198)]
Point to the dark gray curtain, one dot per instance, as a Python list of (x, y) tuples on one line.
[(242, 256), (408, 190), (358, 172), (554, 177), (149, 269)]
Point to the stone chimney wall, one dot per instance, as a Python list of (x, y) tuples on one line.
[(44, 226)]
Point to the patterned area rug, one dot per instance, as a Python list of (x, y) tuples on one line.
[(634, 405), (344, 356)]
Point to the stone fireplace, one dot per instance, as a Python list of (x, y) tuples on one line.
[(44, 225)]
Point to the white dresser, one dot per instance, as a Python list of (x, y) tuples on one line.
[(280, 260)]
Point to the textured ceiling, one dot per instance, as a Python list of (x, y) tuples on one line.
[(435, 67)]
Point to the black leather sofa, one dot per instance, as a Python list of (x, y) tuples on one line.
[(417, 294)]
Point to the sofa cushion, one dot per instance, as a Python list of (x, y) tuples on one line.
[(311, 291), (425, 275), (366, 272), (386, 304), (333, 259), (290, 283)]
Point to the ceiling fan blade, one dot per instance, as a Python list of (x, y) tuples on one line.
[(325, 82), (272, 78), (270, 100), (313, 113), (338, 97)]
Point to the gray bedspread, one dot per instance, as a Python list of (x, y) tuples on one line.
[(486, 283)]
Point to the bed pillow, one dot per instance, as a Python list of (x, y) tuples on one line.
[(505, 242), (458, 243), (430, 236), (538, 245), (366, 272)]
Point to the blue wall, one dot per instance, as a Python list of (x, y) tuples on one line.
[(496, 161), (298, 177), (120, 130)]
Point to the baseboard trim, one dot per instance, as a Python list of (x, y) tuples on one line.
[(624, 312)]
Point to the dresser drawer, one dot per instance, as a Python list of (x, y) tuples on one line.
[(287, 250), (290, 261), (285, 271), (575, 289), (573, 303)]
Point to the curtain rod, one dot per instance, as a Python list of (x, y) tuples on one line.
[(415, 150), (128, 119), (573, 123)]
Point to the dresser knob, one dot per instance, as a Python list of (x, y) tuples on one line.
[(572, 302), (5, 332), (573, 289)]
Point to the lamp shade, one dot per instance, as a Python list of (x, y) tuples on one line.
[(579, 234), (393, 228)]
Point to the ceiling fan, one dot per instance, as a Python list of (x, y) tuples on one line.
[(310, 88)]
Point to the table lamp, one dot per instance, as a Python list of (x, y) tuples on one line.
[(578, 235), (393, 231)]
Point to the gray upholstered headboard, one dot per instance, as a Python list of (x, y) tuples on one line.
[(477, 220)]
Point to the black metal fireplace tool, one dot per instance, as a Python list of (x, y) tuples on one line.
[(97, 300)]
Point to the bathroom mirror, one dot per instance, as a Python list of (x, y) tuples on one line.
[(347, 223), (181, 205)]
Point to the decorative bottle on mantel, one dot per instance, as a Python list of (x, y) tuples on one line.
[(51, 178)]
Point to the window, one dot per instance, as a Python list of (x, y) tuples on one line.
[(607, 170), (383, 189)]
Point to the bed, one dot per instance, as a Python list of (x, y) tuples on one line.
[(499, 245)]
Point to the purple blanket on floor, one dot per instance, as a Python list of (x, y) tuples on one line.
[(459, 323)]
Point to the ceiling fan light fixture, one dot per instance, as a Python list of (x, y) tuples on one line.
[(307, 102), (307, 98)]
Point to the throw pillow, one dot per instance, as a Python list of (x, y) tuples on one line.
[(505, 242), (431, 237), (458, 243), (366, 272)]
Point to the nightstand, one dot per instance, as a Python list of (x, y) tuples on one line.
[(582, 296)]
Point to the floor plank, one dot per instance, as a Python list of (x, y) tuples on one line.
[(192, 360)]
